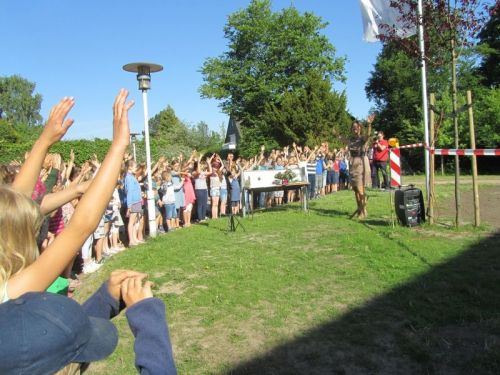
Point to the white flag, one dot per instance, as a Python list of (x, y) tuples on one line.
[(376, 12)]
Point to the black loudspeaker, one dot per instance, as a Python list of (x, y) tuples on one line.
[(409, 206)]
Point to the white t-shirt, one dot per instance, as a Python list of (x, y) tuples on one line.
[(5, 295)]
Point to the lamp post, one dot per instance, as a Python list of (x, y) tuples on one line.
[(144, 71), (133, 139)]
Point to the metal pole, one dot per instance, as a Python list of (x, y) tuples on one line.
[(150, 195), (424, 95)]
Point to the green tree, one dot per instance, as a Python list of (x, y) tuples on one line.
[(308, 114), (203, 139), (166, 124), (489, 47), (171, 136), (18, 102), (394, 86), (270, 57)]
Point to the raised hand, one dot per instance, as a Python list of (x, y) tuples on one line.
[(121, 131), (57, 125), (371, 118)]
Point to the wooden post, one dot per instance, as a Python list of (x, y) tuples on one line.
[(430, 203), (477, 217)]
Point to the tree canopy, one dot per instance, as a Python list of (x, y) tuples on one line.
[(18, 102), (171, 136), (274, 58), (489, 47)]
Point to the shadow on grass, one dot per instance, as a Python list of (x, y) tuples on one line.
[(329, 212), (376, 222), (446, 321), (296, 206)]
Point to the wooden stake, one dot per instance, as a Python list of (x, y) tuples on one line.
[(477, 217), (430, 203)]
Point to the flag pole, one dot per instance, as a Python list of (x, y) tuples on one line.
[(424, 97)]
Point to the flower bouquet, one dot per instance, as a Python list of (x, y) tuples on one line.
[(286, 176)]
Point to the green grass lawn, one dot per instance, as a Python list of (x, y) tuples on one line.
[(318, 293)]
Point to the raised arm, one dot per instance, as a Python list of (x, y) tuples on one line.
[(209, 162), (312, 154), (369, 130), (53, 201), (160, 161), (40, 274), (54, 130), (70, 166)]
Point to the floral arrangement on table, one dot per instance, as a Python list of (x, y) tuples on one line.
[(285, 177)]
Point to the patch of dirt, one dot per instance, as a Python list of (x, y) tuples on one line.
[(262, 238), (172, 288), (489, 204)]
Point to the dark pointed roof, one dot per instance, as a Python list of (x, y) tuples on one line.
[(233, 134)]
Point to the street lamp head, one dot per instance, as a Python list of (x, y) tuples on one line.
[(143, 71)]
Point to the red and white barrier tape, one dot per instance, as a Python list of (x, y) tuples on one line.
[(414, 145), (466, 151), (456, 151)]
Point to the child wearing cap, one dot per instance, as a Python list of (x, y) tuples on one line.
[(43, 332)]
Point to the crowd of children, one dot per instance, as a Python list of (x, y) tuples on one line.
[(186, 190)]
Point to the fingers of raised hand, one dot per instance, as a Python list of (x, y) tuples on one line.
[(118, 103), (57, 125), (121, 132)]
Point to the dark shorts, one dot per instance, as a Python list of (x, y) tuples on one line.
[(136, 208), (329, 177), (108, 218), (335, 177), (235, 203)]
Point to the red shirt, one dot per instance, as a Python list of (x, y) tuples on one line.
[(381, 155), (336, 166)]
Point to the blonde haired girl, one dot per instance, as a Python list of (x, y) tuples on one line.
[(21, 270)]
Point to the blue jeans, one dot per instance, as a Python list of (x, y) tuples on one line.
[(201, 203), (311, 189)]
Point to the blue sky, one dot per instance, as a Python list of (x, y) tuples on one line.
[(77, 48)]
